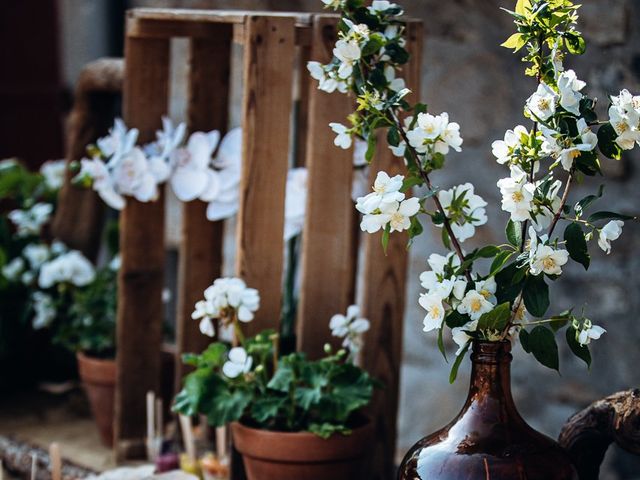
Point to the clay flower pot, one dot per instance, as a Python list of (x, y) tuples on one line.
[(301, 456), (99, 381)]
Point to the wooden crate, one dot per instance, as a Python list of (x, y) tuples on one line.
[(276, 47)]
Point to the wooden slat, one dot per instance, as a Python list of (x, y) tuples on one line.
[(140, 309), (79, 216), (384, 296), (328, 262), (266, 107), (200, 256), (213, 16)]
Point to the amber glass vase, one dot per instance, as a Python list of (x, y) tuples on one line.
[(488, 440)]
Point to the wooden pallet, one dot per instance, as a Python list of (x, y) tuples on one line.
[(275, 47)]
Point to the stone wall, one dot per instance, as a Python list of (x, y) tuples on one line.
[(482, 86)]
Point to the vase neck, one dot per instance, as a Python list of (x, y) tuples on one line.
[(491, 376)]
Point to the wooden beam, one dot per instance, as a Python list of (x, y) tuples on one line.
[(328, 263), (200, 255), (267, 101), (140, 308), (384, 294)]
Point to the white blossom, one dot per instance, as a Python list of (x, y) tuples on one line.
[(400, 219), (487, 288), (381, 6), (467, 216), (30, 221), (548, 260), (71, 267), (475, 305), (386, 191), (517, 194), (396, 84), (44, 310), (239, 363), (461, 337), (569, 87), (224, 202), (12, 270), (503, 149), (350, 328), (624, 116), (433, 304), (542, 104), (193, 177), (348, 52), (589, 332), (119, 141), (102, 183), (343, 135), (36, 254), (611, 231), (53, 173)]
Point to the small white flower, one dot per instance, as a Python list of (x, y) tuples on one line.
[(625, 121), (569, 87), (224, 202), (381, 6), (132, 176), (400, 219), (239, 363), (119, 141), (474, 304), (53, 172), (36, 254), (102, 183), (225, 294), (71, 267), (44, 310), (348, 52), (343, 136), (472, 214), (350, 327), (386, 191), (503, 149), (517, 195), (427, 130), (395, 84), (30, 222), (316, 70), (611, 231), (460, 336), (487, 288), (548, 260), (542, 104), (12, 270), (193, 176), (433, 304), (589, 332)]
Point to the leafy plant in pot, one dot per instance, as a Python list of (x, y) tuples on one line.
[(495, 294), (291, 417), (89, 330)]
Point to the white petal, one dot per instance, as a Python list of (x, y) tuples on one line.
[(188, 184)]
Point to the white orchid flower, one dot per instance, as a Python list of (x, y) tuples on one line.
[(102, 182), (131, 176), (239, 363), (192, 175), (611, 231), (120, 140)]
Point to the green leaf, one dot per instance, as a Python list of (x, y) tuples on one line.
[(376, 41), (575, 43), (499, 261), (456, 365), (393, 136), (523, 7), (496, 319), (607, 142), (265, 408), (326, 430), (415, 228), (456, 319), (441, 344), (542, 343), (282, 378), (409, 182), (508, 285), (371, 147), (577, 244), (536, 295), (588, 163), (580, 351), (515, 41), (524, 340), (488, 251), (608, 216), (385, 237), (514, 233), (587, 201), (445, 239)]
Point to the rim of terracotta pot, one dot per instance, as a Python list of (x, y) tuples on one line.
[(300, 447), (94, 370)]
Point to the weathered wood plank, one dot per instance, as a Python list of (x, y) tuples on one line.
[(212, 16), (267, 102), (383, 298), (200, 255), (328, 263), (140, 309)]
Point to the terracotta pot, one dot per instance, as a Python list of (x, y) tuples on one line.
[(272, 455), (99, 380), (488, 439)]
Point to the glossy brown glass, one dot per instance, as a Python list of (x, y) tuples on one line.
[(488, 439)]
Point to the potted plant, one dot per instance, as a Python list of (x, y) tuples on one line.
[(491, 296), (89, 331), (291, 417)]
